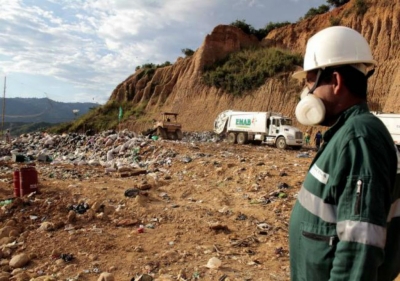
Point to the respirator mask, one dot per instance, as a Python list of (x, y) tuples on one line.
[(310, 110)]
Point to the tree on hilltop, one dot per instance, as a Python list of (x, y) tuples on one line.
[(337, 3), (187, 52), (245, 27), (316, 11)]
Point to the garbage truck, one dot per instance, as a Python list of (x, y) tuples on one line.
[(258, 127), (392, 123)]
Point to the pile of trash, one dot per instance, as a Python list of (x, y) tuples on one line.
[(109, 149)]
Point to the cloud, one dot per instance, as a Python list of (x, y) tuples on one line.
[(95, 44)]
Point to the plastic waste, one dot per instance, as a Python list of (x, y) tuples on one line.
[(140, 229), (81, 208), (5, 202), (67, 257), (214, 263), (303, 155), (132, 192)]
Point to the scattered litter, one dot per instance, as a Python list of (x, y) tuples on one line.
[(279, 251), (132, 192), (164, 196), (303, 155), (283, 174), (140, 229), (5, 202), (263, 226), (241, 217), (282, 195), (283, 185), (214, 263), (67, 257), (186, 159), (81, 208)]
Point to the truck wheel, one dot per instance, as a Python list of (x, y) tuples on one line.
[(179, 134), (242, 138), (161, 133), (281, 143), (232, 138)]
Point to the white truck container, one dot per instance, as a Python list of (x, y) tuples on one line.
[(272, 128), (392, 123)]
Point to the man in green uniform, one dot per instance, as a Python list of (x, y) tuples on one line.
[(345, 224)]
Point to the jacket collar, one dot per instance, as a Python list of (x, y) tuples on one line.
[(344, 116)]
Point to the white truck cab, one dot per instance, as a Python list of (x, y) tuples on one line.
[(272, 128)]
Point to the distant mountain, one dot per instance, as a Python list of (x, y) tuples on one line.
[(34, 110)]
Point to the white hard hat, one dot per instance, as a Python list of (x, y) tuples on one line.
[(336, 45)]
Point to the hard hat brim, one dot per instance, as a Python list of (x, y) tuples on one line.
[(299, 75), (302, 74)]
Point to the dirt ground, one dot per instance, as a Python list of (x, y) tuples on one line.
[(207, 200)]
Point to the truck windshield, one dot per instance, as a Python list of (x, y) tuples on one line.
[(286, 122)]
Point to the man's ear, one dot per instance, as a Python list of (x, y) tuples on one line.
[(337, 83)]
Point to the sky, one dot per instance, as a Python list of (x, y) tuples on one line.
[(80, 50)]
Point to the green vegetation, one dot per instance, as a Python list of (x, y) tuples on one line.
[(337, 3), (187, 52), (246, 28), (273, 25), (150, 68), (102, 118), (334, 21), (248, 69), (19, 128), (259, 33), (361, 7), (316, 11)]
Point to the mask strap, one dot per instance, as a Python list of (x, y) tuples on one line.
[(311, 91), (370, 73)]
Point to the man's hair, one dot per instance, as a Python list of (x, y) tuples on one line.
[(354, 80)]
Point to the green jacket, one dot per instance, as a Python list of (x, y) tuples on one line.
[(345, 224)]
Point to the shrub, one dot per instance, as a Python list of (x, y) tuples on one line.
[(263, 32), (187, 52), (150, 68), (316, 11), (334, 21), (248, 69), (337, 3), (167, 63), (361, 7), (246, 28), (259, 33), (103, 117)]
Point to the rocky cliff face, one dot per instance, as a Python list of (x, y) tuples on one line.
[(178, 88)]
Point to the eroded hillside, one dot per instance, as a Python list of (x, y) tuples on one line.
[(179, 87)]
